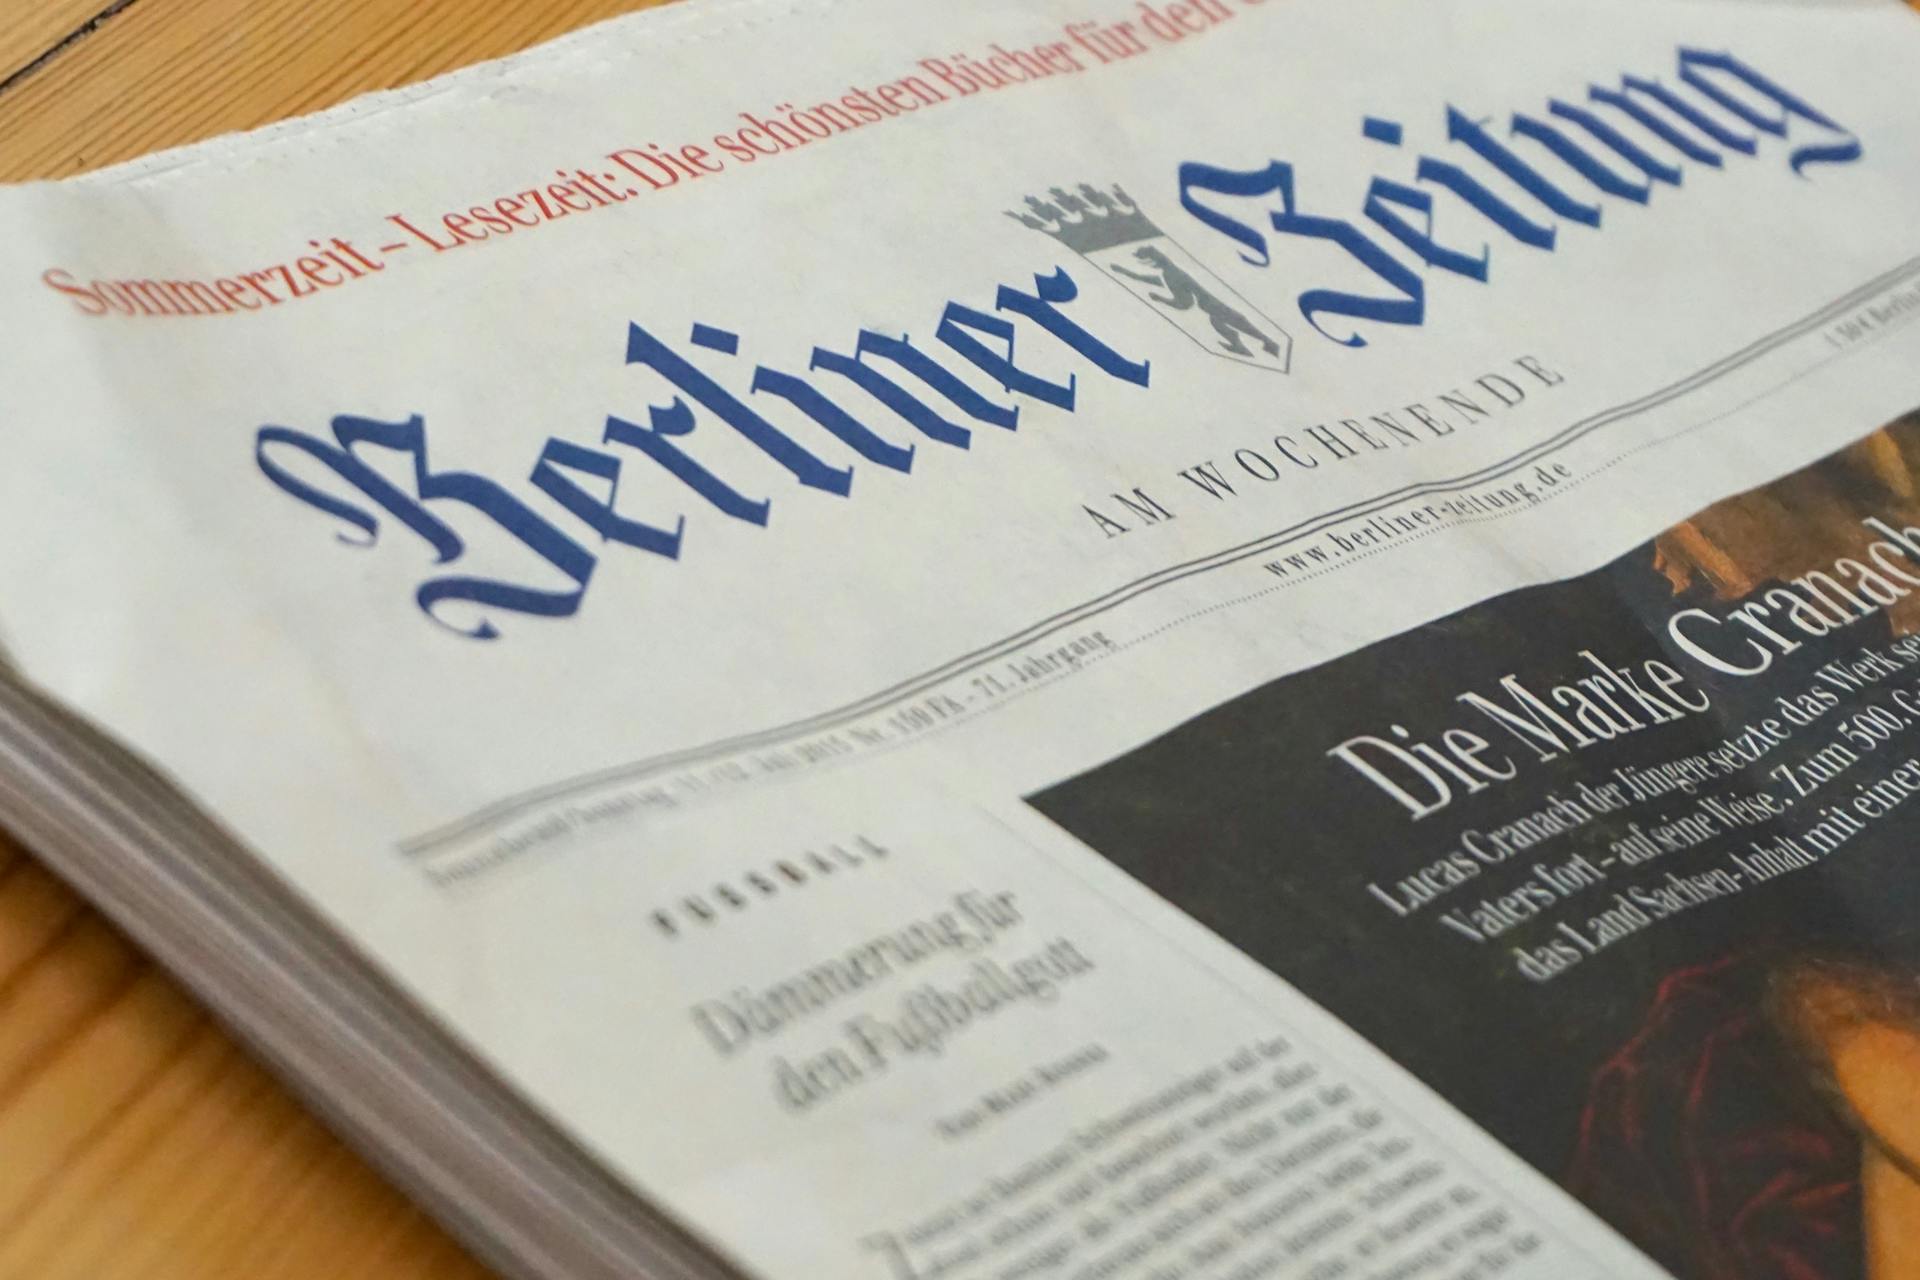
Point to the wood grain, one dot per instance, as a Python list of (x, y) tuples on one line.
[(137, 1140), (160, 73), (32, 29)]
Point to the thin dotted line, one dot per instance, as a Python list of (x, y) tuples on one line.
[(1348, 561), (974, 713), (997, 702), (1001, 701), (455, 880)]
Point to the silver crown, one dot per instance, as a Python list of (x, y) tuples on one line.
[(1089, 220)]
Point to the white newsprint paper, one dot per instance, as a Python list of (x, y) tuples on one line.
[(1081, 640)]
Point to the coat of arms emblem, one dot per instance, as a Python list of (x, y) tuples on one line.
[(1110, 231)]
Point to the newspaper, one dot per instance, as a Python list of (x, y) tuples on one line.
[(1086, 640)]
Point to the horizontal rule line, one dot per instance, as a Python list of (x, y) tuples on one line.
[(507, 808)]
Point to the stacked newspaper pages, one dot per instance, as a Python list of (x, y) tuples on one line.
[(1083, 640)]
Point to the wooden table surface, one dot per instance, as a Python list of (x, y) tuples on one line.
[(137, 1141)]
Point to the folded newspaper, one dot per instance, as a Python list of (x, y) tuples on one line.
[(1085, 640)]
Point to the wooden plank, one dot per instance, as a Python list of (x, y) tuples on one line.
[(165, 72), (32, 29), (139, 1141)]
